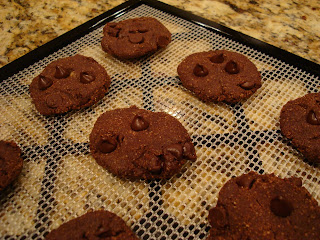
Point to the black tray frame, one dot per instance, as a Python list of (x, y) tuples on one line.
[(65, 39)]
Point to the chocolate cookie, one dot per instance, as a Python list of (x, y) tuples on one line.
[(219, 76), (69, 83), (264, 207), (10, 163), (300, 122), (140, 144), (93, 226), (135, 37)]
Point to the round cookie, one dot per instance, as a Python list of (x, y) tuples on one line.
[(264, 207), (69, 83), (11, 163), (93, 225), (219, 75), (140, 144), (135, 37), (300, 122)]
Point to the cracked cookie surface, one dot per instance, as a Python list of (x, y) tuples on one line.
[(264, 207), (139, 144), (69, 83), (134, 37), (93, 226), (300, 122), (219, 75), (11, 163)]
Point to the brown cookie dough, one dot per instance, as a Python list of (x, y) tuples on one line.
[(69, 83), (219, 75), (264, 207), (300, 122), (140, 144), (135, 37), (93, 226), (10, 163)]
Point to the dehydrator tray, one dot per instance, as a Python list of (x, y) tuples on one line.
[(60, 180)]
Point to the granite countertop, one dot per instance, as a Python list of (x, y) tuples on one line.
[(291, 25)]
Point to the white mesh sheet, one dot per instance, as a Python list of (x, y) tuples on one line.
[(60, 180)]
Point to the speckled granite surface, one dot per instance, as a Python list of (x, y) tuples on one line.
[(291, 25)]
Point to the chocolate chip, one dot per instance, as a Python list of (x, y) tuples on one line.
[(219, 58), (163, 41), (245, 181), (218, 217), (247, 85), (120, 138), (232, 67), (150, 162), (82, 97), (143, 30), (54, 100), (104, 233), (281, 207), (155, 164), (44, 82), (188, 151), (296, 181), (139, 123), (113, 32), (86, 77), (175, 150), (136, 38), (312, 118), (107, 145), (200, 71), (109, 234), (61, 72)]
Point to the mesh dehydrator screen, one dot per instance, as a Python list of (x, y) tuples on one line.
[(60, 180)]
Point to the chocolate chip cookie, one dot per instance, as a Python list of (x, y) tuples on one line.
[(264, 207), (135, 37), (140, 144), (219, 75), (69, 83), (300, 122), (11, 163), (93, 226)]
